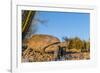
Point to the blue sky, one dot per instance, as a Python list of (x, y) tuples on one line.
[(61, 24)]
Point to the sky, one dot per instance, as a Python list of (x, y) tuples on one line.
[(64, 24)]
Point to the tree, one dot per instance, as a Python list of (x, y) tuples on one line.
[(27, 17), (86, 46), (75, 43), (65, 39), (78, 44)]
